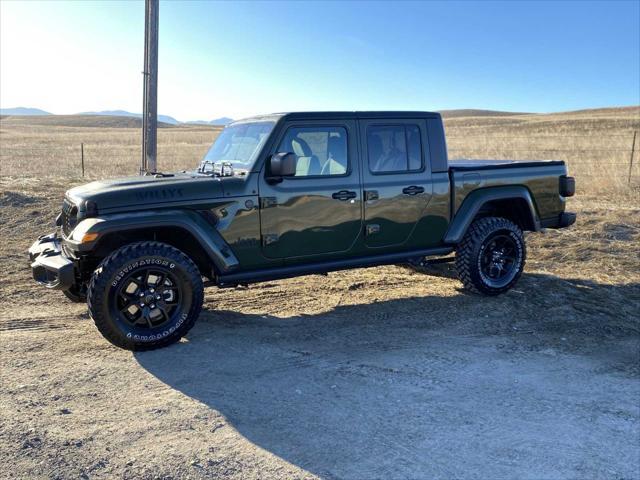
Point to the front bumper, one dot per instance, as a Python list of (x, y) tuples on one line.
[(49, 265)]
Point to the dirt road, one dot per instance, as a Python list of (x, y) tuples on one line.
[(377, 373)]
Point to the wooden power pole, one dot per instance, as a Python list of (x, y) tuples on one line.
[(150, 88)]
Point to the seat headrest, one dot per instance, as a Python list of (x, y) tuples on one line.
[(300, 147)]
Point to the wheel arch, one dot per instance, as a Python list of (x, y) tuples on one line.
[(177, 237), (514, 203), (187, 231)]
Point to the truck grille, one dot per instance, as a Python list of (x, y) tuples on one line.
[(69, 217)]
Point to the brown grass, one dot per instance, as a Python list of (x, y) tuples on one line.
[(596, 144), (346, 345), (111, 147)]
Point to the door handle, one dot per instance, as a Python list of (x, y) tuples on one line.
[(343, 195), (413, 190)]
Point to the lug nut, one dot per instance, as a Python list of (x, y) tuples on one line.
[(142, 295), (142, 305), (157, 297), (151, 290)]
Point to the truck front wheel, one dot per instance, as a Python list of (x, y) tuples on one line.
[(145, 295), (491, 256)]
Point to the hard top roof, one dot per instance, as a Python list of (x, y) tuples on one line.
[(338, 115)]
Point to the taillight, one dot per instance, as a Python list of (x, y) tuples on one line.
[(567, 186)]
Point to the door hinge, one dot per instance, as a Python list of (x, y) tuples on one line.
[(266, 202), (373, 228), (371, 195), (269, 239)]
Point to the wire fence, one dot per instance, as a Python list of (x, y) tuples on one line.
[(614, 155)]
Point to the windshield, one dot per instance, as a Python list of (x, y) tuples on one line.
[(239, 144)]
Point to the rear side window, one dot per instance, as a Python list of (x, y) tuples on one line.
[(394, 148), (320, 151)]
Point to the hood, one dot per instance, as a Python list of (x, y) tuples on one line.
[(147, 191)]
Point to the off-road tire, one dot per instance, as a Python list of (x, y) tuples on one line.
[(470, 250), (121, 266)]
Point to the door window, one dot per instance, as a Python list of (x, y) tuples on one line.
[(394, 148), (320, 151)]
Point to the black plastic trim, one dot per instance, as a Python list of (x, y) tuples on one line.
[(289, 271), (474, 202), (565, 219), (507, 164), (214, 245)]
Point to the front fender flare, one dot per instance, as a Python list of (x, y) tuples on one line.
[(474, 202), (218, 251)]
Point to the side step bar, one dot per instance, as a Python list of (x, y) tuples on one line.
[(288, 271)]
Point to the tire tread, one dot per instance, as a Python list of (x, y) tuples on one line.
[(98, 287), (465, 261)]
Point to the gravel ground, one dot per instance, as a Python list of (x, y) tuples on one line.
[(375, 373)]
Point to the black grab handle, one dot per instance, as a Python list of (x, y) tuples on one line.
[(344, 195), (412, 190)]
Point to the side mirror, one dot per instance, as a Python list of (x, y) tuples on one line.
[(282, 164)]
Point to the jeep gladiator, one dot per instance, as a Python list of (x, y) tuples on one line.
[(293, 194)]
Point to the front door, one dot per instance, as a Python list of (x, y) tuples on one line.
[(396, 179), (317, 211)]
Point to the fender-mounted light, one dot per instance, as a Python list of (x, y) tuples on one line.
[(91, 208), (89, 237)]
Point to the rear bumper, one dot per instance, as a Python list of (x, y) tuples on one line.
[(565, 219), (49, 266)]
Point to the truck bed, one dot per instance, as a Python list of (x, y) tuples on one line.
[(540, 178)]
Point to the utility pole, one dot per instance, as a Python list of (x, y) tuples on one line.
[(150, 88)]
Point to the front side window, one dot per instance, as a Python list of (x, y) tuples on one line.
[(394, 148), (239, 144), (319, 150)]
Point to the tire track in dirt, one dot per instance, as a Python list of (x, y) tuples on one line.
[(38, 324)]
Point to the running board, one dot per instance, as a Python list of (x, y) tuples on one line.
[(288, 271)]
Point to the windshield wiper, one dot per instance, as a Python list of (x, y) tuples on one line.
[(219, 169), (158, 174)]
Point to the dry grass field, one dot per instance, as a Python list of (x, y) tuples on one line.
[(596, 144), (363, 374)]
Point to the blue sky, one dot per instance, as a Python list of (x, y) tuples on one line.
[(241, 58)]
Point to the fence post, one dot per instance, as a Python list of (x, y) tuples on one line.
[(82, 157), (633, 150)]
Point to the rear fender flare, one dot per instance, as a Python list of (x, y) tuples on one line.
[(216, 248), (477, 199)]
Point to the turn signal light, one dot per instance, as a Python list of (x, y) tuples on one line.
[(89, 237)]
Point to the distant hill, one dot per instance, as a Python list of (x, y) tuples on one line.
[(632, 109), (470, 112), (218, 121), (86, 120), (221, 121), (161, 118), (124, 113), (23, 111)]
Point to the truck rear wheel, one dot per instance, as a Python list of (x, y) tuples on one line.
[(491, 256), (145, 295)]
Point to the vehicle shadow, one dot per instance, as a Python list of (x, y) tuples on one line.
[(426, 387)]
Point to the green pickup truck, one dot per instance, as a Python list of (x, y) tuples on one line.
[(293, 194)]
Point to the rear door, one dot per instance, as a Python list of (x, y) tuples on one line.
[(319, 210), (396, 178)]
